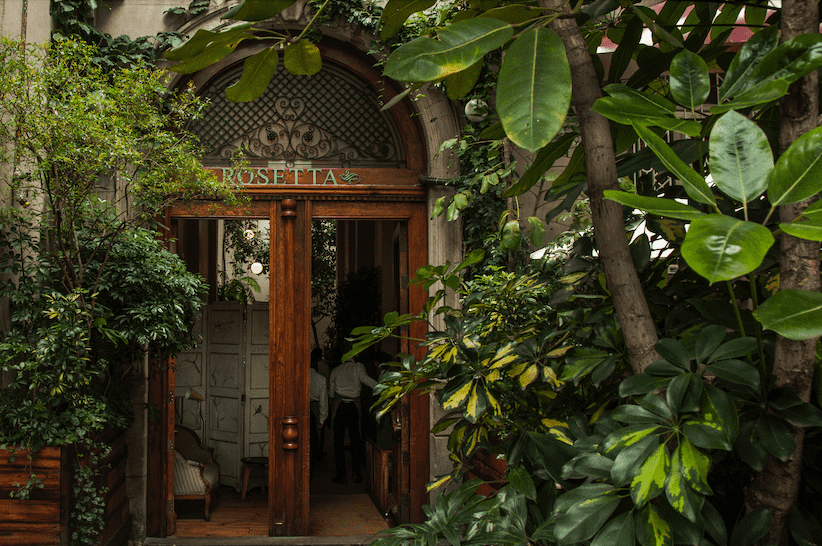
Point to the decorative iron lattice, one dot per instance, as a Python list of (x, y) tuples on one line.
[(329, 119)]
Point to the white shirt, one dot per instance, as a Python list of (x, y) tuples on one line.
[(318, 388), (347, 380)]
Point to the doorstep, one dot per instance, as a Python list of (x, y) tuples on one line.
[(355, 540)]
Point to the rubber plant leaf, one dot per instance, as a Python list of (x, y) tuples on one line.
[(458, 47), (534, 89), (721, 248), (740, 157), (257, 73)]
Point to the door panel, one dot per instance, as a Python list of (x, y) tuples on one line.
[(256, 423), (225, 389)]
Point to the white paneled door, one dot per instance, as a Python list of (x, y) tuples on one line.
[(237, 375)]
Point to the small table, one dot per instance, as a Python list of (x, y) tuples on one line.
[(254, 464)]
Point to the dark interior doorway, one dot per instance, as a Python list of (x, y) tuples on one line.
[(368, 253)]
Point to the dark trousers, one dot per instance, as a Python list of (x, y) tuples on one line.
[(347, 417)]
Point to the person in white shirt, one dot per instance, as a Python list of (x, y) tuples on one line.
[(345, 386), (318, 391)]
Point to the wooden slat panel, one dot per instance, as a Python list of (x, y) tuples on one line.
[(42, 534), (28, 511)]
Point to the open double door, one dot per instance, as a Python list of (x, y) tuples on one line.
[(289, 347)]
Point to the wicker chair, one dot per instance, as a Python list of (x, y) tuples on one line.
[(196, 474)]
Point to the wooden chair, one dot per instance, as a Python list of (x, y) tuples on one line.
[(196, 473)]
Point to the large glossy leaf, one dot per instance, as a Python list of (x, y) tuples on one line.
[(763, 94), (534, 89), (721, 248), (740, 157), (396, 12), (695, 186), (654, 205), (458, 47), (628, 111), (302, 58), (627, 436), (689, 79), (257, 73), (206, 48), (737, 372), (545, 159), (794, 314), (650, 480), (797, 174), (257, 10), (626, 48), (717, 425), (678, 492), (651, 103), (617, 532), (652, 529), (582, 520), (790, 61), (460, 84), (746, 61), (627, 462), (753, 526), (808, 226)]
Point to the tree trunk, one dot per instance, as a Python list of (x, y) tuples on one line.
[(638, 327), (777, 486)]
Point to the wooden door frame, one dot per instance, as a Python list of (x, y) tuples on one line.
[(290, 220)]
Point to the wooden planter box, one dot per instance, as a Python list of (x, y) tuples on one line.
[(43, 520)]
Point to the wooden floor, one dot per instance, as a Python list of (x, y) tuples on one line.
[(334, 510)]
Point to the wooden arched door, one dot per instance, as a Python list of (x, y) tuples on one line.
[(289, 318)]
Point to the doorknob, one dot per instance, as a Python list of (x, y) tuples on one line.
[(290, 432)]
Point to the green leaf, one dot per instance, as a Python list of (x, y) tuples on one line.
[(797, 174), (745, 62), (617, 532), (456, 392), (695, 186), (790, 61), (511, 235), (679, 493), (460, 84), (647, 15), (257, 73), (627, 112), (668, 208), (477, 401), (753, 526), (521, 480), (621, 58), (545, 159), (808, 225), (650, 481), (396, 12), (652, 529), (302, 58), (632, 414), (794, 314), (689, 79), (536, 231), (459, 46), (775, 436), (642, 384), (733, 349), (206, 48), (628, 460), (769, 92), (721, 248), (750, 448), (740, 157), (582, 520), (736, 372), (257, 10), (534, 89), (627, 436)]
